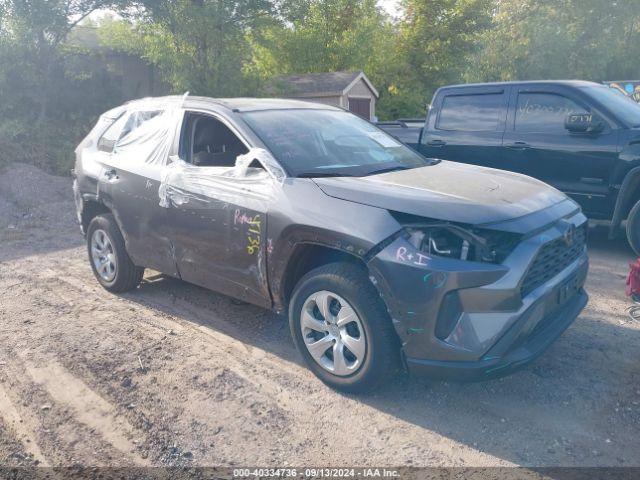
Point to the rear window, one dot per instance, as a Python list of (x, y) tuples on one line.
[(123, 127), (472, 113)]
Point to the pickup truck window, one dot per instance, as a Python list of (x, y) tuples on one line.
[(623, 107), (471, 113), (544, 112), (330, 143)]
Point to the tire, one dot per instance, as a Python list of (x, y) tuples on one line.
[(347, 286), (108, 256), (633, 228)]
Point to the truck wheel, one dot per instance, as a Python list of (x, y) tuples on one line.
[(633, 228), (342, 329), (108, 256)]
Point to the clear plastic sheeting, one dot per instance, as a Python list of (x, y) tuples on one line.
[(147, 136), (265, 158), (198, 187)]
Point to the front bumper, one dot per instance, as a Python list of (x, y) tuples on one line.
[(492, 324), (515, 358)]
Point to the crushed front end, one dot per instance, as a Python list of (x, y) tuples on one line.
[(475, 303)]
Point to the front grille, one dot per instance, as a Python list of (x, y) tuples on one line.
[(552, 258)]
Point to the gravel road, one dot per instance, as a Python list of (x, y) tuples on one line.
[(173, 375)]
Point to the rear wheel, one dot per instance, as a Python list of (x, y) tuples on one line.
[(633, 228), (342, 329), (108, 256)]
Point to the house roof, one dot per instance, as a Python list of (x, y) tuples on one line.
[(320, 84)]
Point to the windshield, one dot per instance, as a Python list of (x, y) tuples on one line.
[(623, 107), (312, 143)]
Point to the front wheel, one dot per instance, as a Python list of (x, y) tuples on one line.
[(342, 329), (633, 228)]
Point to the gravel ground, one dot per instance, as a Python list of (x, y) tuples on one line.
[(174, 375)]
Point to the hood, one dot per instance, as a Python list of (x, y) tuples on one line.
[(448, 191)]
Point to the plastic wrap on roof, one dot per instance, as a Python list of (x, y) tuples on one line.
[(183, 183)]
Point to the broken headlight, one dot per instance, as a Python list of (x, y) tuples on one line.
[(454, 241)]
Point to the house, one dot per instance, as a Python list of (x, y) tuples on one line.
[(350, 90)]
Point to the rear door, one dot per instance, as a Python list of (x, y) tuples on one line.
[(133, 152), (537, 144), (466, 125)]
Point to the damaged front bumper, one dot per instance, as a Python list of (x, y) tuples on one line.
[(472, 321)]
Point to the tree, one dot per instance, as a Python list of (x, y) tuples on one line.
[(587, 39), (32, 34), (324, 36), (199, 45), (436, 38)]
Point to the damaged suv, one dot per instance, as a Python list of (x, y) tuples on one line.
[(382, 258)]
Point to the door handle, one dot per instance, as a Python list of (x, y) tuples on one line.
[(111, 175), (436, 143), (592, 181), (518, 145)]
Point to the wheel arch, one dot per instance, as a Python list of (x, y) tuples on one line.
[(305, 257), (91, 208), (629, 194)]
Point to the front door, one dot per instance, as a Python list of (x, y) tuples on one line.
[(218, 219), (537, 144)]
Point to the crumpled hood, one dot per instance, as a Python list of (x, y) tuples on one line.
[(448, 191)]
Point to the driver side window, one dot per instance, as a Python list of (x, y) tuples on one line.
[(544, 112), (207, 142)]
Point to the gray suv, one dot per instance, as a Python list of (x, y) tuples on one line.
[(381, 258)]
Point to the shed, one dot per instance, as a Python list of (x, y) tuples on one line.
[(350, 90)]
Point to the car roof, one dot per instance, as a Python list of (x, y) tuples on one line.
[(568, 83), (231, 104)]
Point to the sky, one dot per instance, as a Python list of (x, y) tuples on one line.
[(391, 6)]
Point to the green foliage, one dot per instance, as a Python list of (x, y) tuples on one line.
[(49, 94), (328, 35), (52, 90), (436, 39), (586, 39), (200, 46)]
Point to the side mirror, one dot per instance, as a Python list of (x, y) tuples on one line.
[(583, 123), (245, 162)]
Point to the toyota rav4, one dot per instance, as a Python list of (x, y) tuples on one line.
[(381, 258)]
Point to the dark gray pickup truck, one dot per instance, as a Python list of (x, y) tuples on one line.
[(581, 137)]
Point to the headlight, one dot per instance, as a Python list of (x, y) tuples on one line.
[(454, 241)]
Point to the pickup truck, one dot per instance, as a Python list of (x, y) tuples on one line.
[(583, 138), (379, 256)]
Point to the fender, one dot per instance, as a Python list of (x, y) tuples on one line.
[(629, 186), (284, 252)]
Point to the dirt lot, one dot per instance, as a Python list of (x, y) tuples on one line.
[(175, 375)]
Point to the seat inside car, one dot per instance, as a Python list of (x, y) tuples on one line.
[(214, 145)]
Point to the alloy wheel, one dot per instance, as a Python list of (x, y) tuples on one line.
[(333, 333), (103, 255)]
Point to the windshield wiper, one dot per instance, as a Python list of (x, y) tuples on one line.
[(322, 174), (387, 170)]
